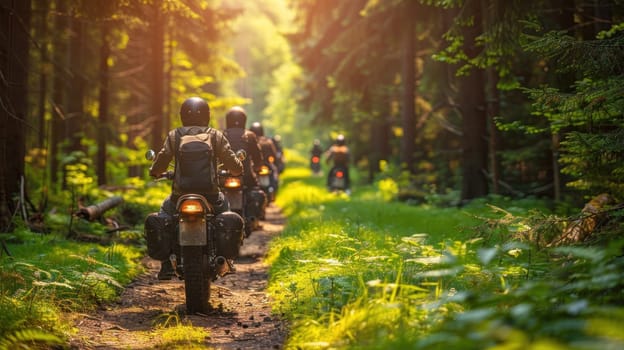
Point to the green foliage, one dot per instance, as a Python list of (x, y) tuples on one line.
[(28, 339), (389, 189), (357, 272), (590, 117), (48, 275), (178, 334)]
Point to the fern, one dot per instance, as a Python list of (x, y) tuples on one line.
[(27, 338)]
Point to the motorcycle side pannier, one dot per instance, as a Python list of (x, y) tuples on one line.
[(256, 203), (159, 237), (229, 227)]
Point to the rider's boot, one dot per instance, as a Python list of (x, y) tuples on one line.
[(166, 270)]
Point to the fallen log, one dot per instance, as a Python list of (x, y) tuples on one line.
[(95, 211), (592, 216)]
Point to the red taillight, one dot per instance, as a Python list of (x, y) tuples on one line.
[(339, 174), (191, 207), (232, 182), (315, 159), (264, 170)]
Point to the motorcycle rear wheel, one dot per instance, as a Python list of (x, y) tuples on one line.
[(196, 279)]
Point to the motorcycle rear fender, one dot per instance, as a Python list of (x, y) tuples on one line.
[(264, 180), (193, 232), (338, 182), (235, 198), (193, 228)]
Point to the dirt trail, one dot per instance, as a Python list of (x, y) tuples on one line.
[(242, 318)]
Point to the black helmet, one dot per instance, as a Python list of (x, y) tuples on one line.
[(195, 111), (235, 118), (340, 140), (256, 127)]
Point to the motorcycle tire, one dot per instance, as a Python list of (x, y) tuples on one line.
[(196, 279), (248, 228)]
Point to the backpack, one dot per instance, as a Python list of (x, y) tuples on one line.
[(195, 162)]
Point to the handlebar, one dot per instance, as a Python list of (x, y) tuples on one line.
[(167, 175)]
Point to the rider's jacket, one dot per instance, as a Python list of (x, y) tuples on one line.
[(246, 140)]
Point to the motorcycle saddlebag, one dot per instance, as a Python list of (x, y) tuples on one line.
[(229, 227), (256, 203), (159, 237)]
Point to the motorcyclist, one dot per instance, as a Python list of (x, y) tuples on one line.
[(241, 138), (280, 162), (316, 151), (195, 116), (339, 154), (269, 153)]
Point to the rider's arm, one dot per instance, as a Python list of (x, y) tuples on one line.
[(163, 158), (227, 156), (329, 154), (254, 151)]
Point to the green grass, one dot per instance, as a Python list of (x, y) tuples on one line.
[(176, 333), (361, 272), (47, 277)]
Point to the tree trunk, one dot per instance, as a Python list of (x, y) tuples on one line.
[(169, 76), (408, 113), (564, 83), (474, 119), (379, 145), (95, 211), (43, 71), (15, 26), (75, 108), (492, 112), (57, 134), (103, 130), (555, 165), (157, 73)]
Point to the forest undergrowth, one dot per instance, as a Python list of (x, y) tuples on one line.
[(364, 271), (71, 268), (359, 271)]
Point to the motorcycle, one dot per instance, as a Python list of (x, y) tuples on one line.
[(338, 179), (267, 179), (232, 187), (315, 164), (204, 242)]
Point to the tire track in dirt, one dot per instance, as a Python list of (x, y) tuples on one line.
[(242, 317)]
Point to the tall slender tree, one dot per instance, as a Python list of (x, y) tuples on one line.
[(59, 58), (408, 74), (157, 72), (14, 64), (103, 131), (473, 110), (75, 117)]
